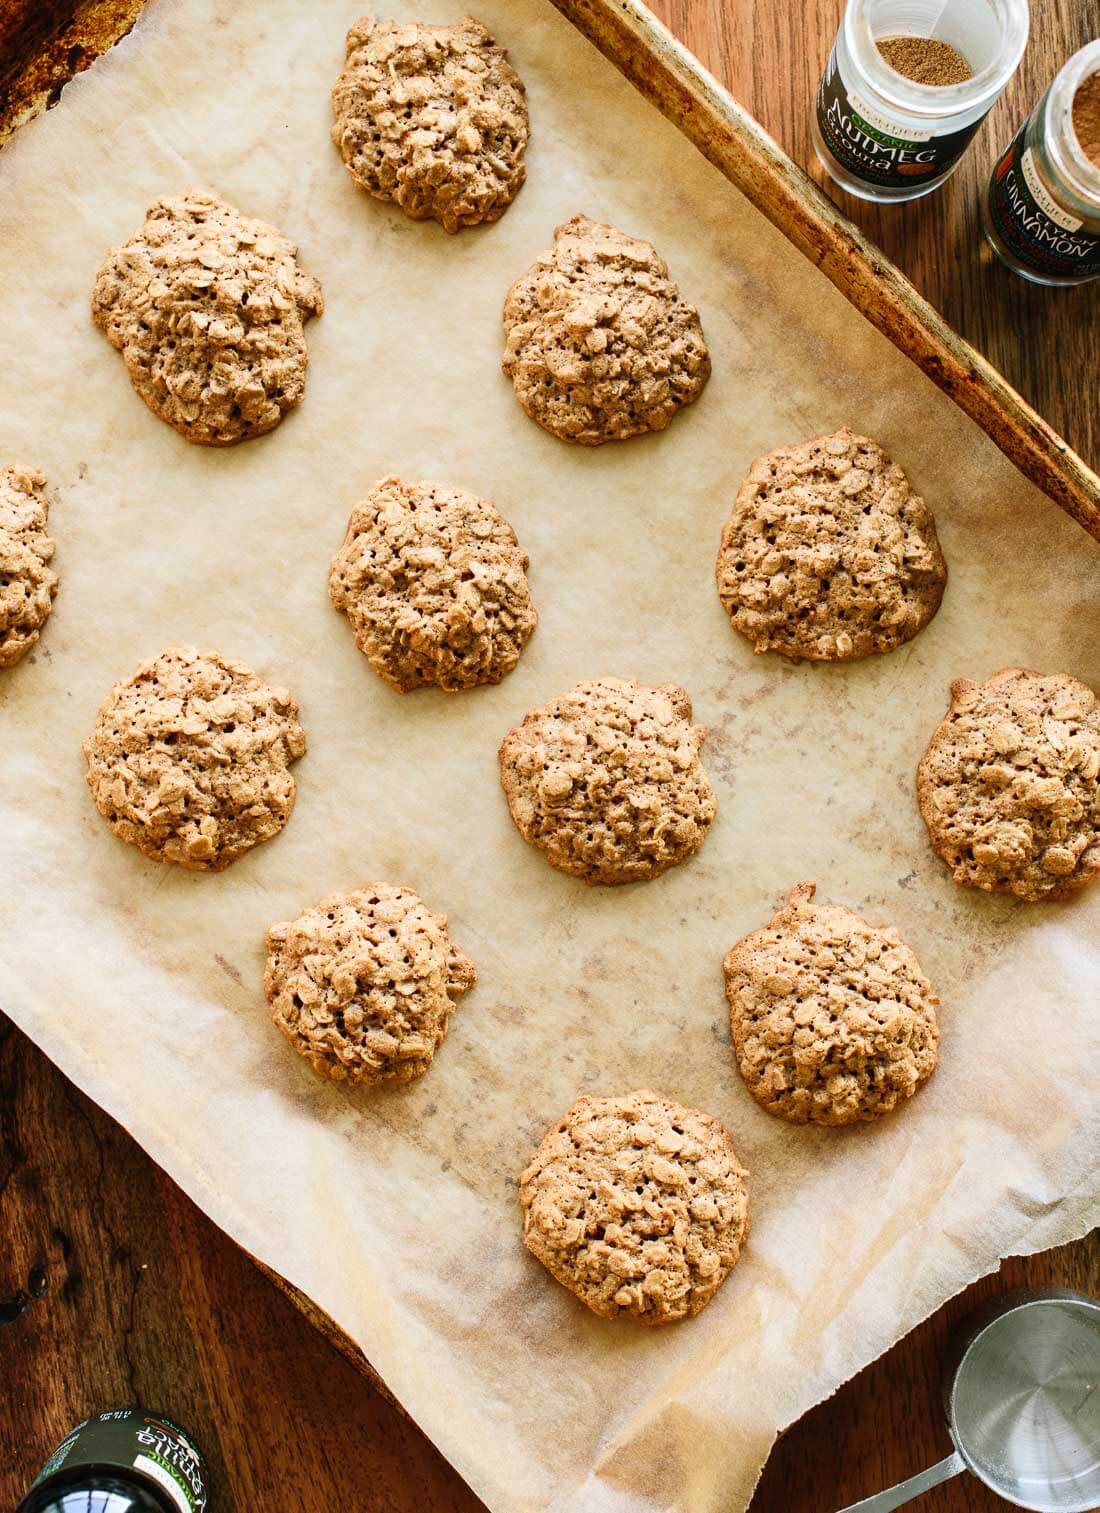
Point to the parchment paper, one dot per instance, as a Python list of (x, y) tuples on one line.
[(396, 1211)]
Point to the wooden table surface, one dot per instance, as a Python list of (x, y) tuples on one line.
[(147, 1301)]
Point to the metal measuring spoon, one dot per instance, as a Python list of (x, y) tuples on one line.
[(1022, 1395)]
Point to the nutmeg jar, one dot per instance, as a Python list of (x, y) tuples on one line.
[(885, 136)]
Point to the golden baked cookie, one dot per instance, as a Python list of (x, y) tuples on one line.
[(599, 345), (207, 306), (434, 583), (828, 554), (189, 759), (27, 584), (637, 1205), (1010, 784), (433, 118), (833, 1020), (363, 984), (607, 780)]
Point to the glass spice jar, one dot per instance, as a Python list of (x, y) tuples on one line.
[(883, 135), (1042, 210)]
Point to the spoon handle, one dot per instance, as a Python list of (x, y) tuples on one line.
[(893, 1497)]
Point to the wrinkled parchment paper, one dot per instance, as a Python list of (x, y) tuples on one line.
[(396, 1211)]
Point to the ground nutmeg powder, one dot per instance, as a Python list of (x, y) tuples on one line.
[(925, 60)]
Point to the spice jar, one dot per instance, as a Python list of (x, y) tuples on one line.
[(893, 130), (1042, 209)]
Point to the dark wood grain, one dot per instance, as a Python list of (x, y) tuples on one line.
[(770, 53), (147, 1300)]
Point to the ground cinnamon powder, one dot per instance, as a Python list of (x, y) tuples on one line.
[(1086, 117), (926, 60)]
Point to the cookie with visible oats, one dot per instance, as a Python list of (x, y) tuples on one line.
[(433, 118), (833, 1020), (434, 583), (1010, 784), (828, 553), (599, 344), (638, 1205), (189, 759), (607, 780), (207, 308), (363, 984), (27, 584)]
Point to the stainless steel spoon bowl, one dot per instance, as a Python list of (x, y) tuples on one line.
[(1023, 1405)]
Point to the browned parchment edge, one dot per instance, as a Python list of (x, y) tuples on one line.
[(327, 1326), (44, 43), (627, 33)]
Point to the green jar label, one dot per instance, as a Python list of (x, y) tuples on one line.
[(127, 1439), (876, 149)]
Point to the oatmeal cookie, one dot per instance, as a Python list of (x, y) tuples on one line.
[(1009, 785), (828, 554), (363, 984), (27, 585), (599, 344), (206, 306), (833, 1020), (637, 1205), (434, 583), (608, 781), (433, 118), (189, 756)]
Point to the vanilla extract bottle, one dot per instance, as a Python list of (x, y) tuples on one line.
[(122, 1461)]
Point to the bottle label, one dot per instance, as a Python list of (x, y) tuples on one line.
[(1037, 231), (875, 147), (126, 1439)]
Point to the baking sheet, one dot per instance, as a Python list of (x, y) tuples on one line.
[(396, 1211)]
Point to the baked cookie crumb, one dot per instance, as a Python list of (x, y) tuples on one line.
[(599, 344), (607, 780), (434, 583), (1010, 784), (828, 554), (637, 1205), (27, 584), (189, 759), (363, 984), (833, 1020)]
